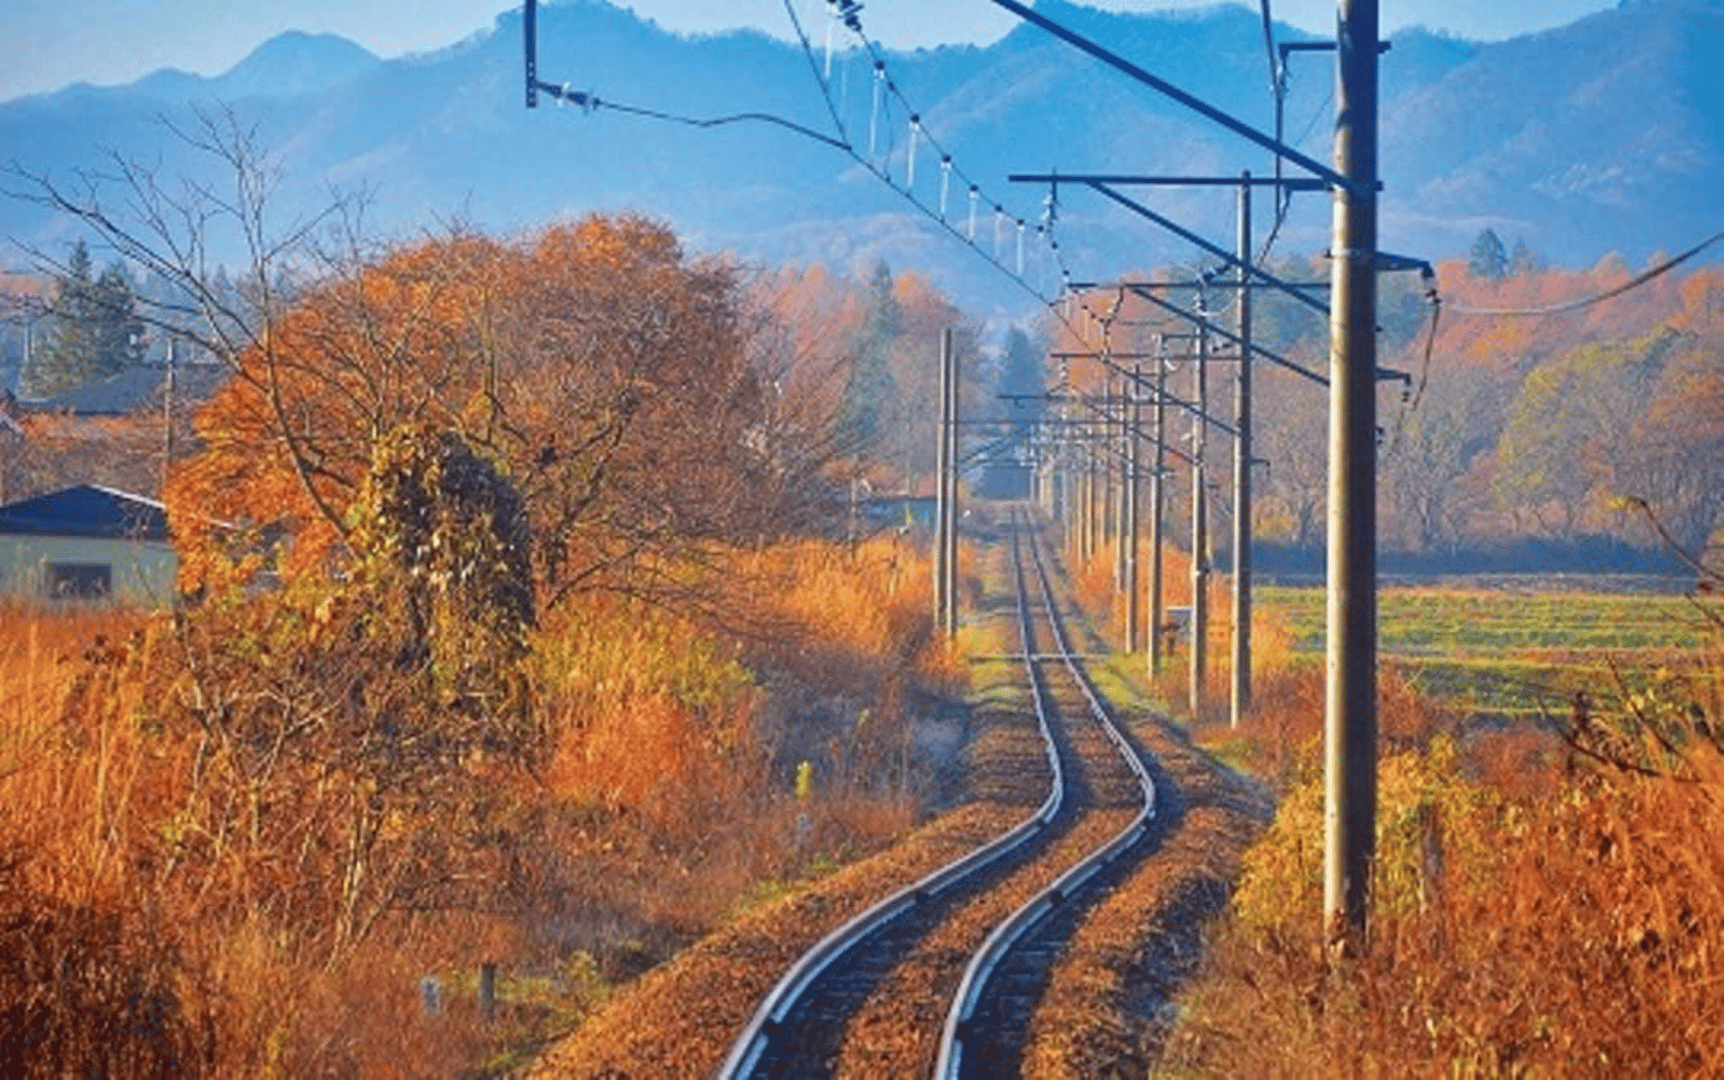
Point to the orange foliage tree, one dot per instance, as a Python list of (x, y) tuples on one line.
[(619, 385)]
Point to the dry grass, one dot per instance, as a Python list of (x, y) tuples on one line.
[(1540, 908), (1095, 583), (179, 898)]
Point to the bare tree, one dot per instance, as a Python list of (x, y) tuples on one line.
[(177, 229)]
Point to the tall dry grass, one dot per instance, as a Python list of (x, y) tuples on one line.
[(1545, 902), (154, 921), (1095, 583), (91, 982), (178, 896)]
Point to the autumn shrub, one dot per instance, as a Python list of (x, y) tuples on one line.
[(253, 827), (1093, 583)]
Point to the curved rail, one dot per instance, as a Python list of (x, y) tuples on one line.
[(756, 1038), (987, 959)]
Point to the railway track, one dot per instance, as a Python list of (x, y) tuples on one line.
[(944, 975)]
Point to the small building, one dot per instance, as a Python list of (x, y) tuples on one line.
[(87, 543)]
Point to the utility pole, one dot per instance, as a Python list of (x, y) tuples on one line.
[(942, 511), (168, 414), (1092, 495), (1199, 625), (1157, 497), (946, 493), (1350, 712), (949, 349), (1133, 418), (1240, 699), (1116, 455)]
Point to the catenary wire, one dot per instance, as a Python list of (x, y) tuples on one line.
[(1435, 299), (1635, 282), (882, 171)]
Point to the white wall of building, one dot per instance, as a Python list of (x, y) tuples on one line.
[(140, 572)]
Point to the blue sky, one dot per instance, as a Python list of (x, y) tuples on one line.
[(47, 44)]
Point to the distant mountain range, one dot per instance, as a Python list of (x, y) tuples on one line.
[(1605, 135)]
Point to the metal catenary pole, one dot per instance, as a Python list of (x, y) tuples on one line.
[(948, 346), (943, 462), (1350, 714), (1157, 500), (1123, 535), (1199, 624), (1240, 699), (1134, 420), (1092, 494)]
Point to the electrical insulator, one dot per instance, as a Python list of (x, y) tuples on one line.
[(879, 100), (915, 137), (975, 196), (831, 31), (945, 183)]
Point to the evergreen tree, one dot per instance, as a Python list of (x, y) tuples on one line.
[(93, 332), (1022, 373), (1489, 259), (1024, 377), (119, 331), (870, 391), (1522, 261)]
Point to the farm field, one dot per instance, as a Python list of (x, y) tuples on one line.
[(1510, 648)]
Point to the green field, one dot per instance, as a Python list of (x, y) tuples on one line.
[(1510, 651)]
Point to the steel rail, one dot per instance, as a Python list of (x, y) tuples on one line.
[(986, 960), (756, 1038)]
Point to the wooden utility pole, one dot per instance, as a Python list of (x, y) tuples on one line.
[(1350, 713), (1240, 699)]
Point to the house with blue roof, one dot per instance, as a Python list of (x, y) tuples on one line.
[(87, 543)]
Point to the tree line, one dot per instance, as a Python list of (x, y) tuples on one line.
[(1513, 432)]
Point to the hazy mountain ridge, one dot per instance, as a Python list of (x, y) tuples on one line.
[(290, 64), (1588, 138)]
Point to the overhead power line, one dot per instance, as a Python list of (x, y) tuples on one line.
[(885, 93), (1631, 284), (592, 103), (1438, 307), (965, 226)]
